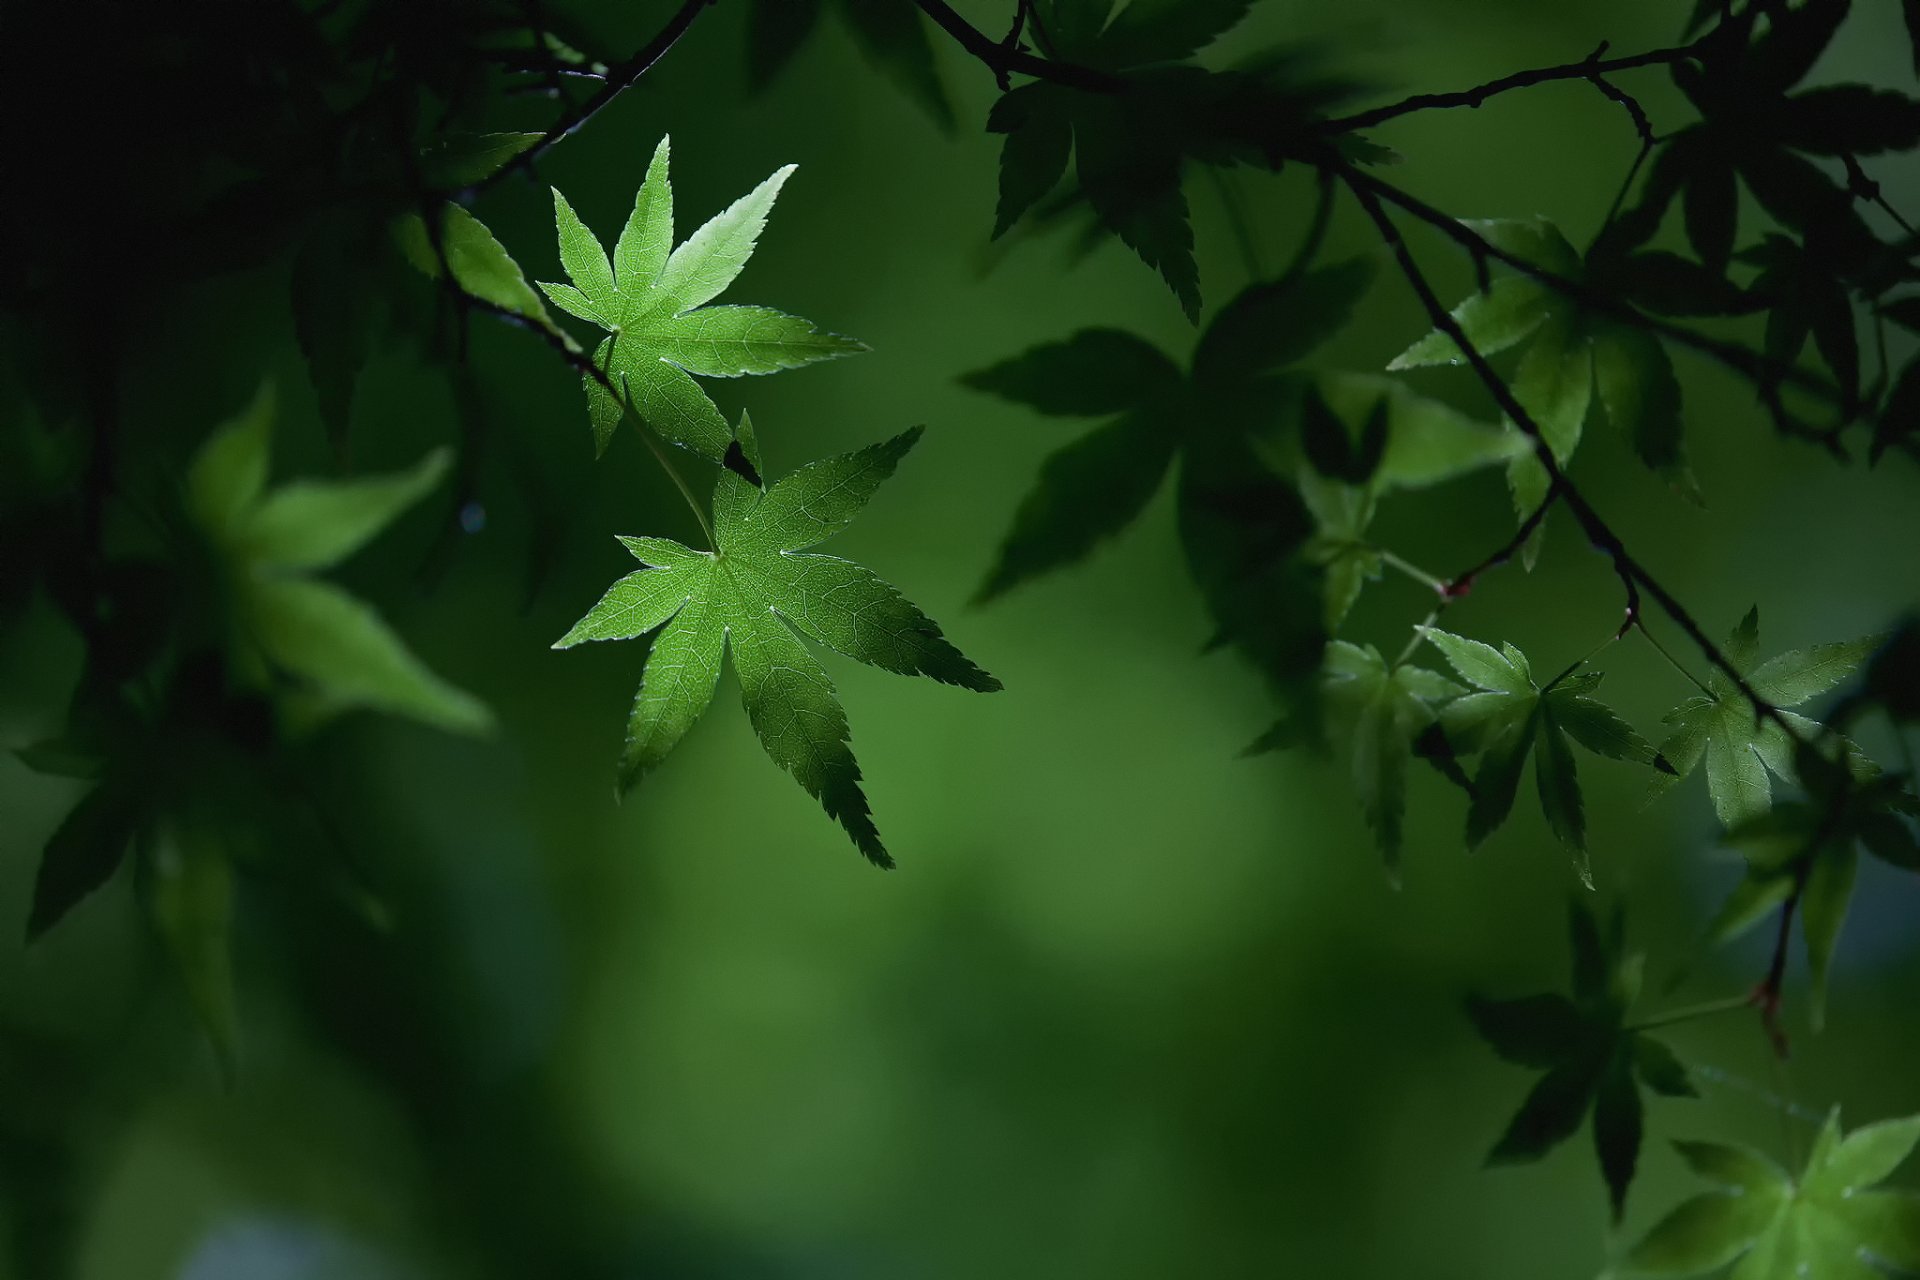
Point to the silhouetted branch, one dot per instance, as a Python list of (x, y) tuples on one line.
[(617, 80), (1591, 68), (1765, 373), (1003, 57)]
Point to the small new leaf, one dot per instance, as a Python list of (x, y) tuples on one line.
[(754, 596)]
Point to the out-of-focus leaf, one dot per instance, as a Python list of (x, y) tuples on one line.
[(286, 624), (1827, 1225), (190, 897), (82, 854)]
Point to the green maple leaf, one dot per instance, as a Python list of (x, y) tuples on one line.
[(1593, 1059), (754, 596), (651, 298), (1740, 748), (1510, 717), (1565, 354), (1374, 715), (1834, 1222), (1230, 419), (320, 650), (1812, 847)]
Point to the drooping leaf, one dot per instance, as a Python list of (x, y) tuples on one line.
[(479, 264), (892, 35), (462, 159), (755, 596), (332, 320)]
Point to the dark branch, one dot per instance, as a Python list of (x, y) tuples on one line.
[(618, 79), (1591, 68), (1004, 58), (1766, 374), (1632, 574)]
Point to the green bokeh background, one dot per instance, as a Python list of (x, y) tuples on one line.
[(1132, 1006)]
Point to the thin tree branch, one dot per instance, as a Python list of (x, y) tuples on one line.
[(1003, 58), (618, 79), (1634, 577), (1766, 374), (1590, 68)]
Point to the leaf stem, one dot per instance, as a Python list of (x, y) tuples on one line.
[(1672, 661), (1237, 221), (1693, 1011), (661, 456), (1580, 662), (1432, 582)]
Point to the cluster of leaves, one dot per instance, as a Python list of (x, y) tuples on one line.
[(1756, 131), (1805, 849), (755, 593), (1567, 353), (1130, 145), (1276, 546)]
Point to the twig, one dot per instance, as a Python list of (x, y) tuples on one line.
[(618, 79), (573, 355), (1590, 68), (1632, 574), (1003, 59), (1765, 373)]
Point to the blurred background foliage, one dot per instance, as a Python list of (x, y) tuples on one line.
[(1132, 1006)]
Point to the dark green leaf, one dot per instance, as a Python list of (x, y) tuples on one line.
[(1273, 324), (1533, 1031), (1550, 1114), (1087, 492), (1617, 1123), (1093, 373), (1663, 1073), (82, 854), (894, 35), (1034, 156)]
